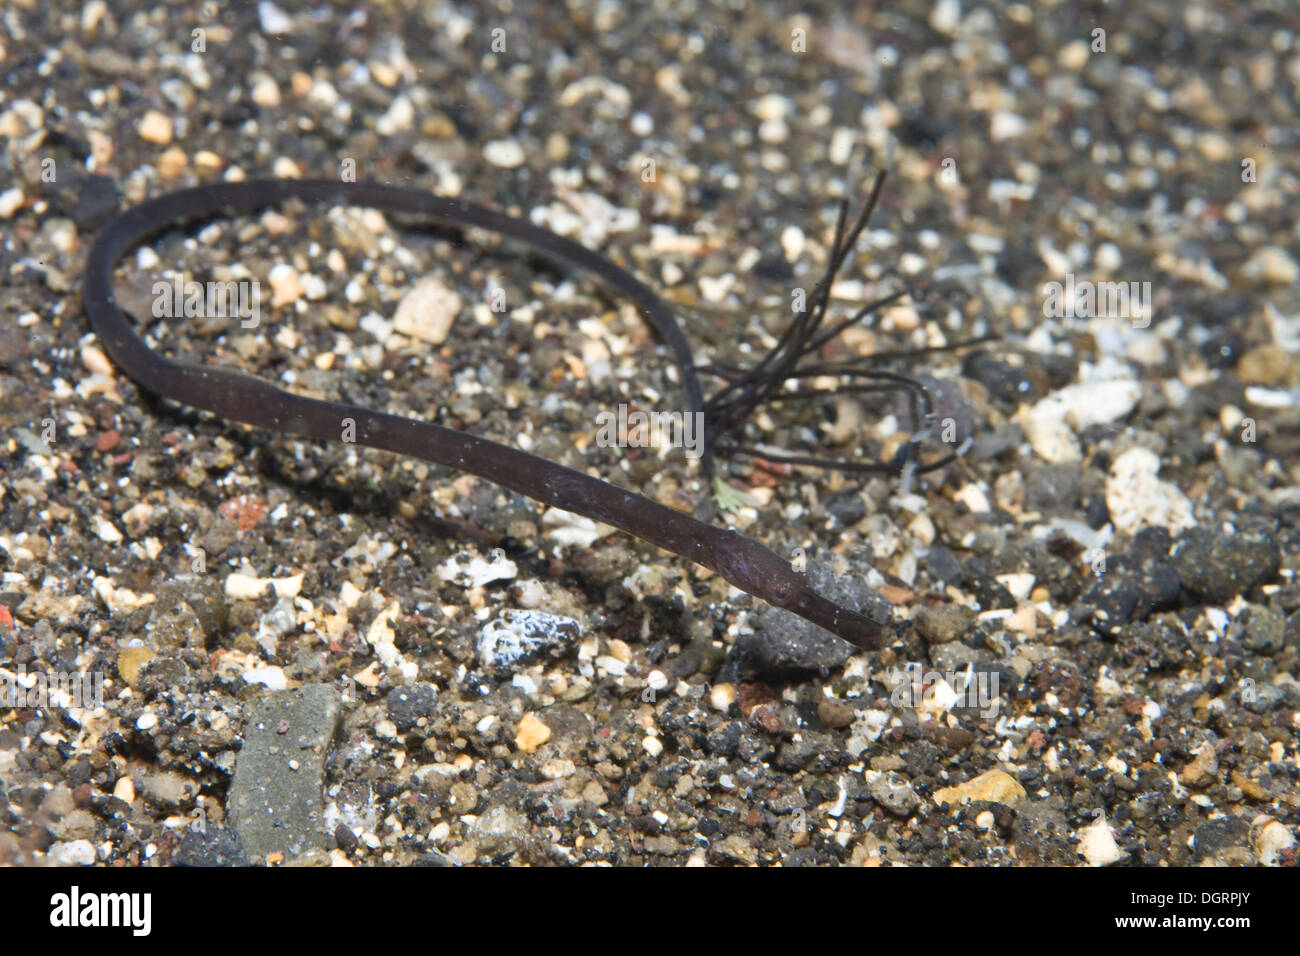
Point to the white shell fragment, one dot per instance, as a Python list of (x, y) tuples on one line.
[(1093, 403), (247, 587), (1137, 498), (571, 530), (1051, 423), (273, 678)]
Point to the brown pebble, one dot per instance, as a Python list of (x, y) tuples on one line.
[(1269, 366), (108, 440), (835, 714), (1249, 787), (897, 595), (247, 511), (750, 696), (156, 127), (767, 717), (954, 738)]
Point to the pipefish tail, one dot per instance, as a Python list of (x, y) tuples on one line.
[(240, 397)]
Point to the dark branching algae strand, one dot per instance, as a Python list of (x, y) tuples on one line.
[(742, 561)]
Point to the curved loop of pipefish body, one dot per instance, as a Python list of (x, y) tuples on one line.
[(226, 199), (245, 398)]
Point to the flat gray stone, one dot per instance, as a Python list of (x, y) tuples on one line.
[(276, 801)]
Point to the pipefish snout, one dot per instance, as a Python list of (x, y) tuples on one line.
[(240, 397)]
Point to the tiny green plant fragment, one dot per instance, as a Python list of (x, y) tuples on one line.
[(730, 498)]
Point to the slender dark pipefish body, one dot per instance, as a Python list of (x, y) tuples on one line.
[(234, 395)]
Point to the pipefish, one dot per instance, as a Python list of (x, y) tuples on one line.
[(742, 561)]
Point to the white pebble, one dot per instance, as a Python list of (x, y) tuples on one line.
[(973, 497), (1098, 846), (643, 124), (773, 107), (11, 200), (285, 168), (1006, 125), (1108, 257), (273, 20), (286, 287), (1271, 839), (985, 244), (265, 92), (273, 678), (1074, 55), (323, 95), (1051, 439), (530, 594), (505, 153), (74, 853), (314, 287), (793, 242), (945, 17), (558, 769), (96, 361), (399, 118), (1274, 264), (841, 148), (1020, 584), (611, 665), (774, 131)]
